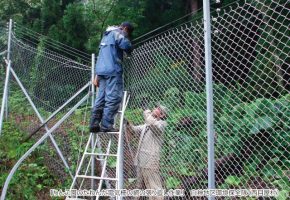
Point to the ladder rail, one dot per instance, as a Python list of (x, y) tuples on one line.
[(87, 169), (108, 185), (103, 157), (119, 167), (103, 169), (81, 163)]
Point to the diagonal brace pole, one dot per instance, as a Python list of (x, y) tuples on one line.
[(41, 119), (15, 167), (57, 111)]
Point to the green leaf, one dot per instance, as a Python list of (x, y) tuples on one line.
[(261, 123), (131, 180), (233, 180), (172, 182), (283, 195), (39, 186)]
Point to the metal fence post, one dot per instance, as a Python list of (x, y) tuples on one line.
[(93, 76), (4, 105), (93, 136), (209, 94), (4, 96), (8, 58)]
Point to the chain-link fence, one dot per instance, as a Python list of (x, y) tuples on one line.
[(3, 48), (250, 51), (50, 74)]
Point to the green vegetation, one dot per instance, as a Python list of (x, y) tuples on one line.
[(251, 113), (262, 117), (33, 179), (37, 174), (80, 24), (251, 104)]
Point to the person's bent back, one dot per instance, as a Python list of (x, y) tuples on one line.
[(110, 57)]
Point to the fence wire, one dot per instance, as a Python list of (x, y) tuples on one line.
[(250, 53), (50, 78), (251, 74), (3, 48)]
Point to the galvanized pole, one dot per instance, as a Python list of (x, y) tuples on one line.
[(93, 76), (8, 58), (209, 95), (9, 40), (47, 134), (92, 134), (4, 104), (4, 96), (41, 120)]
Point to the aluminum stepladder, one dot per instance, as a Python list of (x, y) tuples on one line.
[(103, 157)]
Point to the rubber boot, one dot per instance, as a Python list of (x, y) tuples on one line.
[(96, 118)]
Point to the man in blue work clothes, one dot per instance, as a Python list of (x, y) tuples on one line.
[(109, 78)]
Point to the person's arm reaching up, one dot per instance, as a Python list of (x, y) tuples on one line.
[(123, 42), (155, 125)]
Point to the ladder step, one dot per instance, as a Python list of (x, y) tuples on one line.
[(96, 177), (100, 154), (113, 133)]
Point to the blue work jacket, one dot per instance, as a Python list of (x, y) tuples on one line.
[(113, 44)]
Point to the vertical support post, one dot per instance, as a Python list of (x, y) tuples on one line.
[(209, 95), (93, 136), (9, 40), (4, 96), (93, 76), (8, 58), (4, 105)]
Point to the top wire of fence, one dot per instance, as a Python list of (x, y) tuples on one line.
[(49, 76), (34, 39)]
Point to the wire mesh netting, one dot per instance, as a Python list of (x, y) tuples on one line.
[(251, 96), (3, 48), (3, 38), (50, 78), (250, 51)]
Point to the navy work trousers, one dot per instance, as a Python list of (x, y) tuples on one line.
[(109, 97)]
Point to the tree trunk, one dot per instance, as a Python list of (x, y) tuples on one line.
[(193, 5), (195, 66)]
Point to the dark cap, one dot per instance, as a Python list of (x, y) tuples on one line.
[(129, 26)]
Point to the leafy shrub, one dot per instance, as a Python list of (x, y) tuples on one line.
[(32, 174), (184, 149)]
